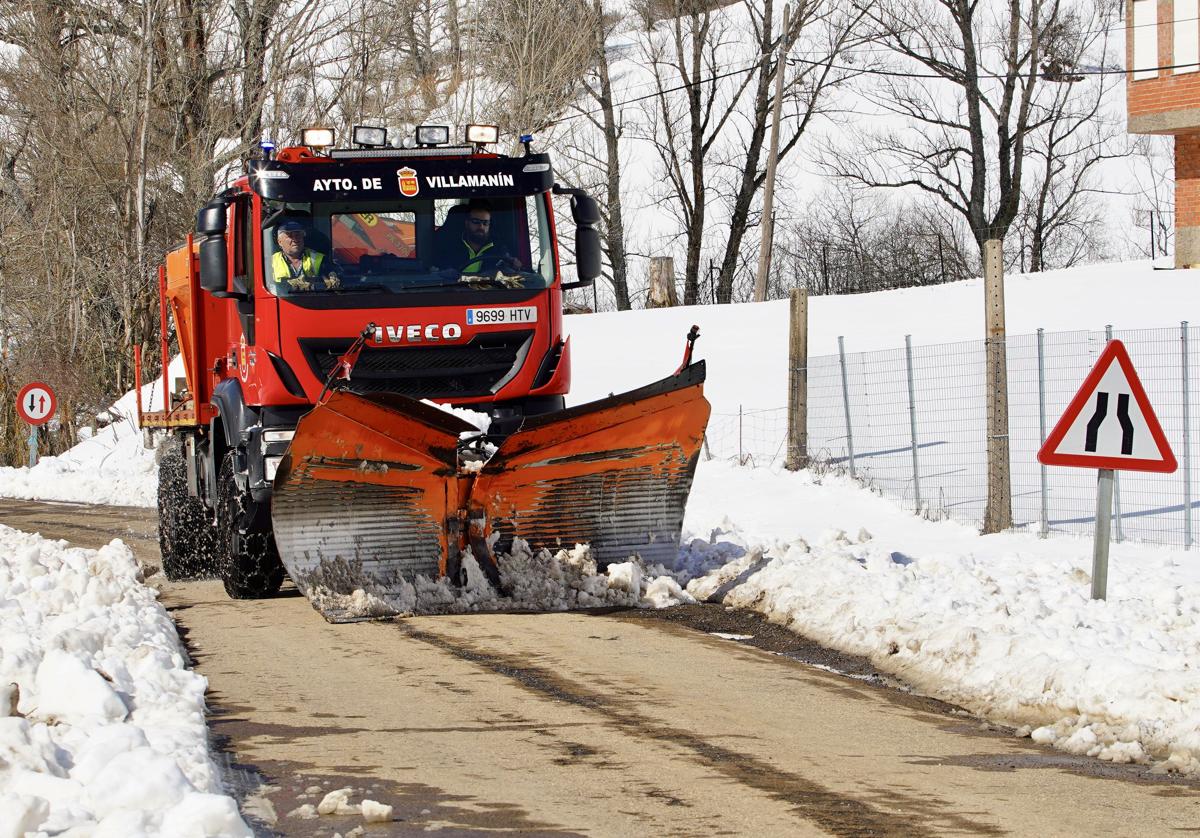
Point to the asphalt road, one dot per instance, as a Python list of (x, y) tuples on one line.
[(615, 723)]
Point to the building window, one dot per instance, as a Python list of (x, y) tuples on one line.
[(1187, 36), (1145, 39)]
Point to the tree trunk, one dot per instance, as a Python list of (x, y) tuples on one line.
[(614, 228), (748, 184)]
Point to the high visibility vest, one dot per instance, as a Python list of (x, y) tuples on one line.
[(310, 265), (477, 264)]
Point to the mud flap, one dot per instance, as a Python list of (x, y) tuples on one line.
[(370, 495)]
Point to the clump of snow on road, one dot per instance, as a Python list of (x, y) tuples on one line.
[(102, 727), (533, 581), (1002, 625)]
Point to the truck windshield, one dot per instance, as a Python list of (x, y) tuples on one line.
[(407, 246)]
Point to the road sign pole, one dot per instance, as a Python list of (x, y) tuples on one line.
[(1104, 497), (33, 443)]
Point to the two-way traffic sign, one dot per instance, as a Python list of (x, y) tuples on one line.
[(1110, 423), (36, 403)]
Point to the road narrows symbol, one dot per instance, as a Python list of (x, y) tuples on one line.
[(1093, 425), (1126, 424), (1086, 434)]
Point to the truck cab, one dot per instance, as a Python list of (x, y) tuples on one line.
[(448, 254)]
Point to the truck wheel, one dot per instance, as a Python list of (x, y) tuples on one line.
[(185, 534), (250, 566)]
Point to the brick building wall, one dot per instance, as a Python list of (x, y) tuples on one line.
[(1167, 101)]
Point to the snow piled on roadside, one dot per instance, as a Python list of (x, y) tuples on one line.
[(102, 729), (111, 467), (541, 581), (1001, 625)]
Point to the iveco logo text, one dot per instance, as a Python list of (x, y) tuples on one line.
[(417, 334)]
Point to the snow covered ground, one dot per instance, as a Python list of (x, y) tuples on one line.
[(102, 729), (1002, 625), (111, 467)]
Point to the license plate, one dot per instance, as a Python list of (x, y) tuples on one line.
[(506, 315)]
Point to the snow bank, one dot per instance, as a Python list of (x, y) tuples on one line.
[(102, 729), (111, 467), (1001, 625)]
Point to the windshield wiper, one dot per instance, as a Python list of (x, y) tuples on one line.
[(472, 281)]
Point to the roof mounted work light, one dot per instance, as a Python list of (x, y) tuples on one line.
[(433, 134), (369, 136), (483, 134), (317, 138)]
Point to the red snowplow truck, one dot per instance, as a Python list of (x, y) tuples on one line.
[(324, 301)]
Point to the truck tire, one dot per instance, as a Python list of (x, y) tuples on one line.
[(185, 534), (250, 565)]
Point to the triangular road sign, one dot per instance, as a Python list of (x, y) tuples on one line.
[(1109, 423)]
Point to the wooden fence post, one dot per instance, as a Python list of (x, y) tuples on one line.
[(797, 455), (662, 283)]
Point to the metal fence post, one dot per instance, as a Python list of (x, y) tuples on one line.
[(1044, 519), (741, 456), (912, 424), (846, 403), (1117, 535), (1187, 440)]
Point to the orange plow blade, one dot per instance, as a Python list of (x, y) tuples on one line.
[(372, 494), (614, 474)]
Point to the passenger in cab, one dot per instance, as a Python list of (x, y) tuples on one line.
[(302, 268)]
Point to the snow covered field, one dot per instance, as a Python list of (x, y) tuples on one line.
[(102, 729)]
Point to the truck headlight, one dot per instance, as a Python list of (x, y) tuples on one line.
[(369, 136), (317, 137), (433, 134), (483, 134), (270, 466)]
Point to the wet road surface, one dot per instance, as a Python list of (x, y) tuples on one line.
[(613, 723)]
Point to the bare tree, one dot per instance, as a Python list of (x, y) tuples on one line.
[(687, 117), (964, 99), (533, 54), (828, 29)]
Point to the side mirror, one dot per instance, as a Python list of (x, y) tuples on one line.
[(214, 254), (586, 213), (585, 210)]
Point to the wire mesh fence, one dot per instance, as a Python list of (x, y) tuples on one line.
[(911, 423)]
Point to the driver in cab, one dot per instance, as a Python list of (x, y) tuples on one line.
[(478, 243), (299, 266)]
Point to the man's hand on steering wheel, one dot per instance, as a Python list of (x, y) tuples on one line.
[(492, 262)]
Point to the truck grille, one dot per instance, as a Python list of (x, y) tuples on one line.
[(478, 368)]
